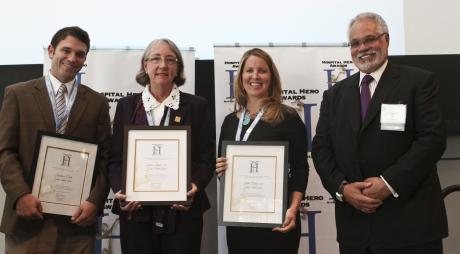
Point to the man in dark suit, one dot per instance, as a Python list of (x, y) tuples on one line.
[(378, 138), (55, 103)]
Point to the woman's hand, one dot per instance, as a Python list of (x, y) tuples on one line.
[(191, 195), (291, 213), (289, 221), (221, 166), (129, 207)]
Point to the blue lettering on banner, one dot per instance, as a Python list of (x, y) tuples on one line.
[(307, 122), (98, 244), (79, 77), (329, 77), (348, 72), (231, 83), (331, 80), (101, 230), (311, 231)]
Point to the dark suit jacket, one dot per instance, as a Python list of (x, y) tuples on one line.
[(346, 149), (26, 110), (193, 111)]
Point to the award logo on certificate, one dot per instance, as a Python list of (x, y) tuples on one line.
[(253, 192), (156, 164), (64, 169)]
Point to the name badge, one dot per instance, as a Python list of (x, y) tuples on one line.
[(393, 117)]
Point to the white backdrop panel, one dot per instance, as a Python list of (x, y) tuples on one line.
[(306, 72)]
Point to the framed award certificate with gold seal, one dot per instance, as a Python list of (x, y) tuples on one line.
[(253, 191), (64, 169)]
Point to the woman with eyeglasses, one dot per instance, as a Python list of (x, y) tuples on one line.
[(163, 229), (259, 115)]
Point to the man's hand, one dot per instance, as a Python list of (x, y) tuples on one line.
[(28, 206), (353, 194), (129, 207), (190, 194), (378, 189), (85, 215)]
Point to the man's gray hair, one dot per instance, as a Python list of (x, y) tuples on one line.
[(382, 25)]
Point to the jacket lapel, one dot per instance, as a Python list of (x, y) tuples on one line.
[(353, 100), (176, 117), (40, 94), (386, 84), (78, 108)]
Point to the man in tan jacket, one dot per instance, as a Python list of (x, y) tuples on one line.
[(32, 106)]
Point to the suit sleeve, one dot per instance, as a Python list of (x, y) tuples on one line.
[(203, 154), (11, 170), (298, 154), (100, 190), (322, 149), (223, 129), (429, 141), (116, 158)]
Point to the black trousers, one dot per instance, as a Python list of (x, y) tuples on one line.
[(138, 237), (246, 240), (434, 247)]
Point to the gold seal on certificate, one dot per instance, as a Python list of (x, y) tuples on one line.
[(156, 164), (64, 168), (253, 193)]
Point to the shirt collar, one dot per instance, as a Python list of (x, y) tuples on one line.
[(56, 83), (376, 74), (150, 103)]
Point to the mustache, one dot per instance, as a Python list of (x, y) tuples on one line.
[(367, 52), (73, 65)]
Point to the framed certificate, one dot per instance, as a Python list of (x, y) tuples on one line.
[(253, 192), (156, 164), (64, 169)]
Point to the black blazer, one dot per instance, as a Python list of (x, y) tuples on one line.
[(193, 111), (346, 149)]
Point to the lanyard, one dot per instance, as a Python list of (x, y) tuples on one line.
[(251, 127), (164, 119), (52, 95)]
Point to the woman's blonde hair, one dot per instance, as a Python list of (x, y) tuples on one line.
[(273, 104)]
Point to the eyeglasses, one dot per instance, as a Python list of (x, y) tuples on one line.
[(169, 60), (366, 41)]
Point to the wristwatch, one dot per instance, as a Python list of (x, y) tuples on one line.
[(339, 193)]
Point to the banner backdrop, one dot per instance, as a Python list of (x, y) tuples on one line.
[(306, 72), (112, 72)]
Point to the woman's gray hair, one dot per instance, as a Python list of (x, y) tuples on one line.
[(382, 25), (143, 79)]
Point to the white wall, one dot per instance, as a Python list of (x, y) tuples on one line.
[(27, 26), (432, 27)]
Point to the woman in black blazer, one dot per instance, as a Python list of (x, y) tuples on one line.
[(265, 118), (163, 229)]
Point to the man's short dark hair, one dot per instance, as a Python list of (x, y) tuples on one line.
[(73, 31)]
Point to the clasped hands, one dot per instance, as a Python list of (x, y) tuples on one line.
[(368, 195)]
